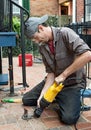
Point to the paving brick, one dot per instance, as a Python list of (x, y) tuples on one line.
[(61, 128), (52, 122), (89, 118), (87, 101), (37, 124), (50, 113), (10, 119), (2, 120), (85, 125), (82, 119), (9, 127), (65, 128), (53, 129), (86, 113), (24, 125)]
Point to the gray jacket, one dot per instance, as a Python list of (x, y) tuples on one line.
[(67, 45)]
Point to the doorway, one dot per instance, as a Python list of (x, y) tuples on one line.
[(64, 10)]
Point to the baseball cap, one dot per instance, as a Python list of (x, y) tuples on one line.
[(31, 25)]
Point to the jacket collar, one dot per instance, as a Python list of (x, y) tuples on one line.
[(55, 31)]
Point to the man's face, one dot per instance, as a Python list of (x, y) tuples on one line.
[(41, 36)]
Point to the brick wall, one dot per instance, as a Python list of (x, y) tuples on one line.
[(80, 10), (61, 1), (51, 7), (41, 7)]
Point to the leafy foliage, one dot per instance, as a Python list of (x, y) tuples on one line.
[(16, 24), (53, 21)]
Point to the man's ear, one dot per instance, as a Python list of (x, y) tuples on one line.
[(40, 28)]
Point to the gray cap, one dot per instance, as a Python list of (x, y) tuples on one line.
[(31, 25)]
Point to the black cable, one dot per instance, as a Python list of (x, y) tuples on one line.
[(75, 127), (82, 97)]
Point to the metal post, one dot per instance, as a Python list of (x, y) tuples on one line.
[(0, 60), (84, 12), (23, 49), (74, 12), (10, 58), (1, 29), (11, 71)]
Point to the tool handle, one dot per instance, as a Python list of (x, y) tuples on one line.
[(53, 91)]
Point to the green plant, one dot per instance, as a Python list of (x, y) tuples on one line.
[(53, 21), (16, 24)]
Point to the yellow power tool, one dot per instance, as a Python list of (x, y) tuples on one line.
[(48, 98)]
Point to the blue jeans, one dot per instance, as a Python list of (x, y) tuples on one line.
[(68, 100)]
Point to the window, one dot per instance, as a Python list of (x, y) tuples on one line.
[(16, 10), (26, 4), (87, 10)]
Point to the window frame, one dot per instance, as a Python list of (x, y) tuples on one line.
[(87, 10), (16, 10)]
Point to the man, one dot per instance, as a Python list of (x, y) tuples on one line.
[(64, 55)]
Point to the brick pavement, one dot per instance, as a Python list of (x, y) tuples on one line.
[(11, 113)]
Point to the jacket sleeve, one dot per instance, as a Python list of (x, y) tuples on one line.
[(74, 42)]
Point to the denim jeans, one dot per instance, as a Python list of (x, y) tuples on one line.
[(69, 105), (30, 98), (68, 100)]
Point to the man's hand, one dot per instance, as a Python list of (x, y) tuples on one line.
[(38, 101), (60, 78)]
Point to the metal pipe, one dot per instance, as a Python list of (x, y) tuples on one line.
[(21, 9), (10, 57), (0, 60), (84, 11), (23, 49), (74, 12)]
